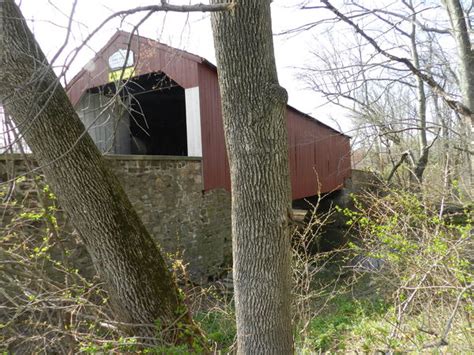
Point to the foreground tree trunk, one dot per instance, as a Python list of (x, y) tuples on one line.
[(254, 109), (141, 288)]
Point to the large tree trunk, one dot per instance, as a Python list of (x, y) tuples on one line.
[(141, 288), (254, 110), (466, 71)]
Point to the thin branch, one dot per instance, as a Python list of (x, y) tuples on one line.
[(68, 33)]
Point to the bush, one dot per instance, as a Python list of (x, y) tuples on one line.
[(47, 304), (423, 266)]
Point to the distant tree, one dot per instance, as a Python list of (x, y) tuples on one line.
[(254, 110)]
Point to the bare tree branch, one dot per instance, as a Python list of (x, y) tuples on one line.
[(451, 102)]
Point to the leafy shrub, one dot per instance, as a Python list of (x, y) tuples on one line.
[(426, 269)]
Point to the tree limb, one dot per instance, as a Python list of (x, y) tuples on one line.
[(397, 165)]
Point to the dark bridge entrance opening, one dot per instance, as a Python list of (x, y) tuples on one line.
[(150, 120), (157, 116)]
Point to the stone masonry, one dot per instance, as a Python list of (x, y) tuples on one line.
[(167, 193)]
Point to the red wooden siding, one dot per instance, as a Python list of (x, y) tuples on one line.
[(319, 156), (215, 164), (150, 56)]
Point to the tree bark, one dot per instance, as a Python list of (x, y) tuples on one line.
[(141, 288), (466, 71), (466, 55), (254, 110)]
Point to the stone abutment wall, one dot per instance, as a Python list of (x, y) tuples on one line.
[(167, 193)]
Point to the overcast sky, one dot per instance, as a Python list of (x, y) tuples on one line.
[(49, 19)]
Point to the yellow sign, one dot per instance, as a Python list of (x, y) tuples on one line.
[(121, 74)]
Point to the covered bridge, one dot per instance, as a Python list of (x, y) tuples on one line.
[(138, 96)]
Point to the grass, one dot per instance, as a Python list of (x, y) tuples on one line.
[(354, 320), (219, 326), (344, 317), (351, 324)]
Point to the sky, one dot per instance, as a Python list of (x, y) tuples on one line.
[(191, 32)]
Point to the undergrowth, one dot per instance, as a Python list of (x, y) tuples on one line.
[(403, 285), (344, 316)]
